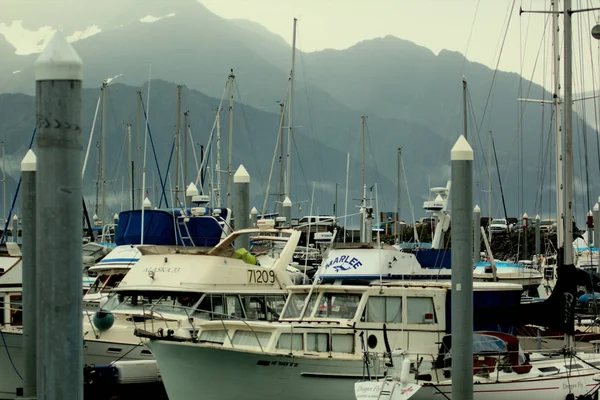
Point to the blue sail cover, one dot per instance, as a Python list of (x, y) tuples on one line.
[(433, 258), (159, 228)]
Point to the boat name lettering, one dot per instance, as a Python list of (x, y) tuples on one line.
[(265, 363), (344, 263), (162, 269), (572, 386), (261, 276)]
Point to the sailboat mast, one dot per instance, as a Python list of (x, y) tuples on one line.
[(568, 157), (185, 154), (218, 163), (398, 194), (103, 167), (288, 170), (464, 81), (557, 125), (139, 145), (231, 79), (490, 186), (177, 145), (3, 181), (281, 155), (363, 120), (97, 178), (130, 164)]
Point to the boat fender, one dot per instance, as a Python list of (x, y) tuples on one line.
[(103, 320), (405, 371)]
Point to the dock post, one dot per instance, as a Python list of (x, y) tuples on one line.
[(461, 157), (287, 211), (28, 249), (596, 215), (253, 217), (58, 75), (15, 228), (538, 243), (525, 228), (476, 234), (241, 205)]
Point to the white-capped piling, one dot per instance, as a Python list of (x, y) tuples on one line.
[(476, 234), (253, 217), (116, 219), (596, 215), (241, 204), (58, 75), (15, 228), (525, 228), (538, 243), (28, 174), (462, 273), (590, 227), (287, 210)]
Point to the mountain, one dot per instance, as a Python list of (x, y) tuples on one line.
[(413, 99), (254, 132)]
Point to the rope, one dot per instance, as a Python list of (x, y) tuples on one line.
[(9, 357)]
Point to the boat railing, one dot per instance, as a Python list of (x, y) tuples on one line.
[(149, 314)]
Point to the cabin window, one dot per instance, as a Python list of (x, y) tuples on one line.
[(342, 343), (255, 307), (290, 341), (251, 338), (338, 305), (317, 342), (420, 310), (98, 284), (16, 310), (211, 307), (212, 336), (234, 307), (274, 307), (2, 322), (384, 309), (295, 304)]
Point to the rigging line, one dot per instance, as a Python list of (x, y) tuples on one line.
[(462, 67), (300, 162), (264, 208), (375, 164), (319, 158), (584, 121), (258, 169), (595, 93), (497, 64)]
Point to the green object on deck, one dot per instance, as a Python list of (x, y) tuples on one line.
[(245, 256)]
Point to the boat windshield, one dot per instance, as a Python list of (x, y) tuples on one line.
[(295, 304), (105, 282), (179, 304), (337, 305)]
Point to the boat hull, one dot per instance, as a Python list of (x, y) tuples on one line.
[(189, 369)]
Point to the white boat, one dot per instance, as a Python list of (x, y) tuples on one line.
[(316, 349), (499, 372)]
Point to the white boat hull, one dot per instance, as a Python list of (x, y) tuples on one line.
[(99, 353), (548, 388), (189, 369)]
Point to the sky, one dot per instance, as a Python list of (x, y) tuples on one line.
[(473, 27)]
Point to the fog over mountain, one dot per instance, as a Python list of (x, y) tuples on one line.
[(412, 97)]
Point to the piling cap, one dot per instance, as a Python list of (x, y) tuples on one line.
[(287, 202), (58, 61), (116, 216), (29, 163), (191, 190), (254, 211), (147, 203), (15, 218), (537, 217), (590, 213), (596, 207), (95, 217), (461, 151), (241, 175), (477, 209), (525, 216)]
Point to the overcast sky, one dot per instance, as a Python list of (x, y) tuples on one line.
[(472, 27)]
